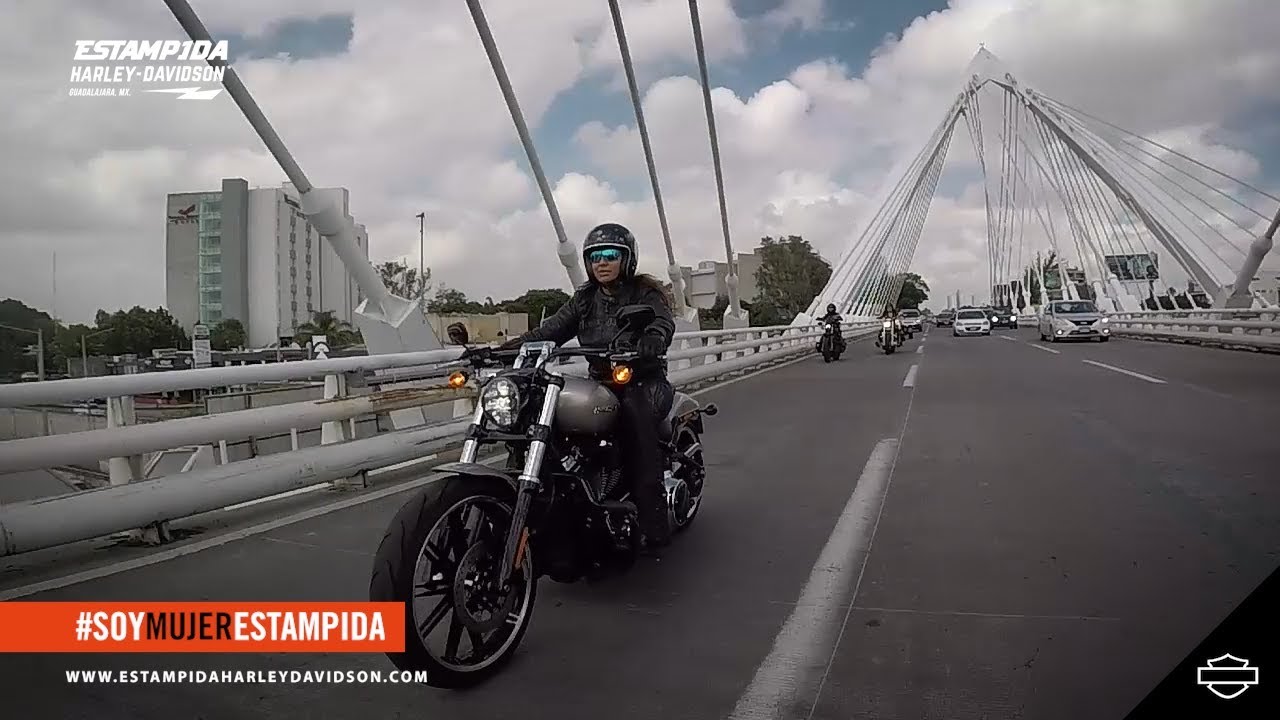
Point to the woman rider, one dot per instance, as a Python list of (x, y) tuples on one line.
[(609, 253)]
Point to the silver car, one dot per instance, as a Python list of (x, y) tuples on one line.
[(971, 321), (1065, 319)]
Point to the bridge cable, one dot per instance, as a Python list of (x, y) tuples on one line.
[(859, 282), (1175, 183), (853, 265), (679, 291), (735, 307), (1075, 110)]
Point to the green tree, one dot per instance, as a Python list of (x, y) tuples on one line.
[(17, 348), (449, 301), (404, 281), (139, 331), (535, 303), (790, 276), (227, 335), (713, 318), (914, 291), (339, 333)]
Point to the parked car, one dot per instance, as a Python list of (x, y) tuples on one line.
[(972, 321), (1067, 319)]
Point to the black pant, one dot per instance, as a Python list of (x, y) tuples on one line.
[(645, 402)]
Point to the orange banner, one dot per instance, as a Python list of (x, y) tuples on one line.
[(201, 627)]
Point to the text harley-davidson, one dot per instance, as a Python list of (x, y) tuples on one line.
[(465, 553)]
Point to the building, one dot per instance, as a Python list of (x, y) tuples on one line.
[(249, 254), (707, 281), (1267, 284)]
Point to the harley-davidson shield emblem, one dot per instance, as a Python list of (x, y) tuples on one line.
[(1227, 676)]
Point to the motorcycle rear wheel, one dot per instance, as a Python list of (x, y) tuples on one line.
[(427, 529)]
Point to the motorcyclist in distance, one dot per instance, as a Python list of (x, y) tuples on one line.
[(833, 316), (609, 254), (891, 313)]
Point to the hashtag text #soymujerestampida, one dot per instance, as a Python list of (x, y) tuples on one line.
[(257, 626)]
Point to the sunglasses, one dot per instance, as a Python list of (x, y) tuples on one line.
[(608, 255)]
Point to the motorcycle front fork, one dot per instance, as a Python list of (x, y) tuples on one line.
[(529, 483)]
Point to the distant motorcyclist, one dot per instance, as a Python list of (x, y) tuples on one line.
[(891, 313), (833, 316), (610, 256)]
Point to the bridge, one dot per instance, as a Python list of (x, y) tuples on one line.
[(1001, 526)]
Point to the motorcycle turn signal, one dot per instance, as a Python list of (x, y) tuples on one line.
[(621, 374)]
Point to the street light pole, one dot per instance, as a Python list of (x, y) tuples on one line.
[(422, 253)]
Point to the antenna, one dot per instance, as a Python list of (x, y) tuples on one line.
[(54, 310)]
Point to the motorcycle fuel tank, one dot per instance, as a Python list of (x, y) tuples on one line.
[(586, 407)]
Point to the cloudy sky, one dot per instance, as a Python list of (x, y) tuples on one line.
[(815, 101)]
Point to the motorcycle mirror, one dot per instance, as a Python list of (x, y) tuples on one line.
[(635, 317), (458, 334)]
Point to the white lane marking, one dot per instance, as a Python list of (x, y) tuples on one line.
[(241, 534), (804, 646), (910, 381), (1130, 373), (1007, 337), (195, 547), (920, 350), (1046, 349)]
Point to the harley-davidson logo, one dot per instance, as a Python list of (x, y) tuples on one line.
[(1227, 676)]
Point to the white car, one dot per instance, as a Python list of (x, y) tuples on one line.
[(971, 322), (912, 321)]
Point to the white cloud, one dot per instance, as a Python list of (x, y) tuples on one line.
[(411, 120)]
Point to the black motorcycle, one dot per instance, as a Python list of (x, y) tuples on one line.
[(465, 553), (830, 345)]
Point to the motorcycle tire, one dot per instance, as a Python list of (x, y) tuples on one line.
[(395, 564)]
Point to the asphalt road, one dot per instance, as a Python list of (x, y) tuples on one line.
[(1054, 536)]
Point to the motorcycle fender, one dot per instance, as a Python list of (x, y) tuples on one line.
[(475, 470)]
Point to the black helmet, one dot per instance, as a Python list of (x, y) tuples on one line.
[(611, 235), (831, 308)]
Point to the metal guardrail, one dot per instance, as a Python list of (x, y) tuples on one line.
[(48, 522)]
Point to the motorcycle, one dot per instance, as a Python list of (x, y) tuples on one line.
[(889, 339), (830, 345), (468, 549)]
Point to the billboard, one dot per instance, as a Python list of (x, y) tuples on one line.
[(1139, 266)]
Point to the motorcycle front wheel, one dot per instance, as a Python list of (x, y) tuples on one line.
[(440, 557)]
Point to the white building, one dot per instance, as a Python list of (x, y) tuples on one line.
[(707, 281), (250, 254)]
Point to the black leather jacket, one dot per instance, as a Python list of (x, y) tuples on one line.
[(831, 317), (590, 316)]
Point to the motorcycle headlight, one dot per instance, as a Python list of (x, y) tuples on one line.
[(1106, 320), (501, 401), (887, 323)]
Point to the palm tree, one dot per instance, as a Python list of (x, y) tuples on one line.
[(338, 332)]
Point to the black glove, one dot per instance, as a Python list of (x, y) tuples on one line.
[(512, 344), (650, 346)]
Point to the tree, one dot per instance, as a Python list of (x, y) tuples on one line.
[(139, 331), (453, 302), (15, 357), (713, 318), (790, 276), (338, 333), (536, 303), (227, 335), (403, 281), (914, 291)]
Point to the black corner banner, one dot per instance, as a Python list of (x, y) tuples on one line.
[(1234, 673)]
